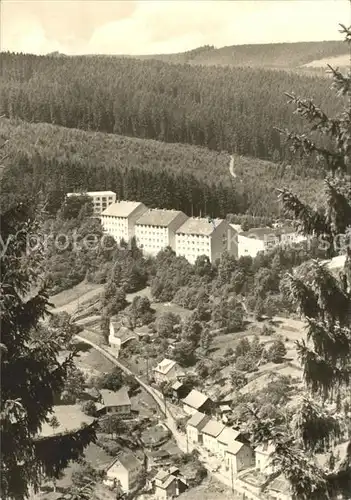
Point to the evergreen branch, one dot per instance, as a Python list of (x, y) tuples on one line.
[(309, 221), (339, 205), (314, 427), (55, 452), (332, 342), (308, 110), (321, 377), (300, 143), (301, 295), (334, 303)]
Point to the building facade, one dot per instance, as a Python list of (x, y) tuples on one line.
[(116, 402), (124, 472), (155, 229), (238, 456), (210, 433), (166, 371), (263, 457), (264, 239), (194, 427), (199, 236), (101, 199), (119, 219)]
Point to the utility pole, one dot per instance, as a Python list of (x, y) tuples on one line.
[(231, 473), (187, 442), (147, 366)]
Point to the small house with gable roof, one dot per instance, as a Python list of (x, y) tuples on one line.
[(116, 402), (194, 427), (210, 433), (238, 456), (124, 471), (166, 371), (197, 401)]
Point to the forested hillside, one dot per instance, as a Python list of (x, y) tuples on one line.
[(52, 160), (222, 108), (270, 55)]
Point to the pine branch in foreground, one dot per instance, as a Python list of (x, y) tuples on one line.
[(324, 300)]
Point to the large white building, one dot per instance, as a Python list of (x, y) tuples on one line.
[(264, 239), (101, 199), (199, 236), (119, 219), (155, 229)]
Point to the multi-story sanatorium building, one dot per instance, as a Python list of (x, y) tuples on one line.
[(101, 199)]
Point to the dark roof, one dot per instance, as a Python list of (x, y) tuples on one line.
[(128, 460), (198, 420)]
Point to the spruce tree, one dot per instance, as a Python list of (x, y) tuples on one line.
[(31, 375), (323, 300)]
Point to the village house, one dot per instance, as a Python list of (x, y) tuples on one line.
[(224, 410), (210, 433), (166, 371), (197, 401), (116, 402), (238, 456), (155, 458), (194, 427), (262, 457), (169, 484), (124, 472), (118, 220), (179, 390), (155, 229), (264, 239), (226, 438), (118, 336)]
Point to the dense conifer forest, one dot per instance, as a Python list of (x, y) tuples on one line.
[(268, 55), (51, 160), (221, 108)]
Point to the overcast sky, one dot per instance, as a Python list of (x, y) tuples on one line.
[(165, 26)]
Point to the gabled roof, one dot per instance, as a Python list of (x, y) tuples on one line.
[(234, 447), (128, 460), (213, 428), (157, 217), (115, 398), (177, 385), (165, 366), (162, 475), (196, 399), (122, 208), (204, 227), (198, 420), (228, 436), (265, 448)]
